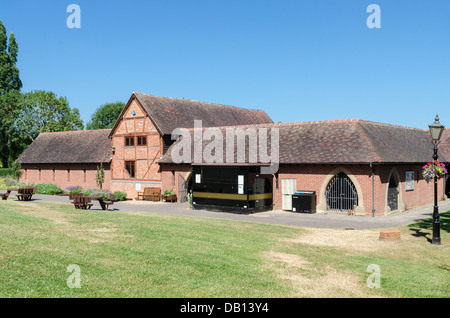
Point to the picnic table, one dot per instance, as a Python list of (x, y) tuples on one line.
[(24, 194), (5, 195), (84, 202)]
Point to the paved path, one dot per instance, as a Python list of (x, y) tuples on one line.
[(320, 220)]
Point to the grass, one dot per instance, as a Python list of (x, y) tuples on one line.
[(155, 255)]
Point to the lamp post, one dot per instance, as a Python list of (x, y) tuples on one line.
[(436, 130)]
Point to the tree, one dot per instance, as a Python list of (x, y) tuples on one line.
[(10, 85), (16, 170), (11, 140), (105, 116), (9, 73), (100, 176), (43, 111)]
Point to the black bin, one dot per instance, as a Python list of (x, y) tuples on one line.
[(304, 202)]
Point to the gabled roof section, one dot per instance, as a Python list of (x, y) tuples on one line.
[(351, 141), (80, 146), (168, 113), (444, 146)]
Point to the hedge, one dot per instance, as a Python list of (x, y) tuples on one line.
[(6, 172)]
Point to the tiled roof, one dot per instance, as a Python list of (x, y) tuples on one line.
[(444, 146), (342, 141), (81, 146), (169, 113)]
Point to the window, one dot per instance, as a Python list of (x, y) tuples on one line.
[(68, 175), (54, 175), (130, 166), (141, 141), (129, 141), (341, 194), (84, 175), (40, 174)]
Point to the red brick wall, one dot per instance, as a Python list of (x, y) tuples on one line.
[(65, 175), (317, 177), (171, 176)]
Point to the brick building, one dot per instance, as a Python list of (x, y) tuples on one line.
[(371, 168), (368, 167), (143, 132), (68, 159)]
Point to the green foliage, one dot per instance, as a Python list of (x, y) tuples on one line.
[(100, 176), (11, 139), (105, 116), (190, 198), (5, 172), (43, 111), (168, 193), (10, 85), (72, 190), (50, 189), (9, 73), (16, 170), (120, 196)]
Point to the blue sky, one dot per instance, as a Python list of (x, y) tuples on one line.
[(301, 60)]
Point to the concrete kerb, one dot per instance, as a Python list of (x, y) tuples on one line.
[(317, 220)]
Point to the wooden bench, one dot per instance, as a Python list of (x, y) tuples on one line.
[(109, 202), (26, 193), (153, 194), (5, 195), (82, 202), (73, 195)]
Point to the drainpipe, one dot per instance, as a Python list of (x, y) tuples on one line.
[(373, 190)]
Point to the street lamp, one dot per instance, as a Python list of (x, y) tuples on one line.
[(436, 130)]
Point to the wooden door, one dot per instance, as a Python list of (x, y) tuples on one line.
[(288, 188)]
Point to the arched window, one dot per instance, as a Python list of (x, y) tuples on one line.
[(341, 194)]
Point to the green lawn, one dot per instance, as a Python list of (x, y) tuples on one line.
[(123, 254)]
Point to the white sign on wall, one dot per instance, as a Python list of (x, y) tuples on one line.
[(240, 184)]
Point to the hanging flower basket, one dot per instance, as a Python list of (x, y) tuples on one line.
[(433, 169)]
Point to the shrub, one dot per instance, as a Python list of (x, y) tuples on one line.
[(51, 189), (3, 185), (168, 193), (11, 183), (96, 192), (6, 172), (72, 190), (16, 170), (120, 196)]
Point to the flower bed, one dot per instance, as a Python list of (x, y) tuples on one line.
[(52, 189)]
